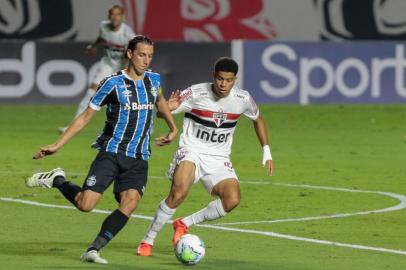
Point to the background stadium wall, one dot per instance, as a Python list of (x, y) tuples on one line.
[(47, 72), (209, 20), (274, 72)]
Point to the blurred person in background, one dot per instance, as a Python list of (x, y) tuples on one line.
[(114, 35)]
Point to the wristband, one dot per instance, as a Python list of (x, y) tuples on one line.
[(266, 154)]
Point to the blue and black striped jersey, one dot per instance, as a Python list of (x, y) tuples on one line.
[(129, 113)]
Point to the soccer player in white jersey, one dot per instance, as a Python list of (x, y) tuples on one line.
[(211, 114), (114, 35)]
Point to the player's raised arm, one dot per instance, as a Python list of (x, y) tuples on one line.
[(165, 113), (77, 125), (174, 102)]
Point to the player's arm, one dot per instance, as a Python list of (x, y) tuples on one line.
[(77, 125), (262, 134), (92, 47), (173, 102), (165, 113), (252, 112), (180, 101)]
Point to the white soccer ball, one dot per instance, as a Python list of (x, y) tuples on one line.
[(190, 249)]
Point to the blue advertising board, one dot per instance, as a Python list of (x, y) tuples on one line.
[(323, 72)]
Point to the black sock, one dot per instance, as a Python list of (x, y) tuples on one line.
[(110, 228), (67, 188)]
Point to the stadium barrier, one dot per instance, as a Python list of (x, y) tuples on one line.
[(274, 72), (46, 72)]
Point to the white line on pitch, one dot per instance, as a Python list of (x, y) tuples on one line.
[(304, 239), (401, 205), (150, 176), (271, 234)]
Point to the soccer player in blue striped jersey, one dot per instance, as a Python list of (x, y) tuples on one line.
[(130, 96)]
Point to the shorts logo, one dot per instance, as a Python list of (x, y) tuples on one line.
[(229, 166), (180, 156), (91, 181), (219, 118)]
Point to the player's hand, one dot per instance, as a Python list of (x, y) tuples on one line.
[(46, 151), (91, 50), (165, 140), (269, 167), (174, 100)]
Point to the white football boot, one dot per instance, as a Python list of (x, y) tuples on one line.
[(44, 179), (93, 256)]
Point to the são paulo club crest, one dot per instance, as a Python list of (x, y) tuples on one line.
[(219, 118)]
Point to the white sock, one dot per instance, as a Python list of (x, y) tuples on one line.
[(85, 101), (162, 215), (214, 210)]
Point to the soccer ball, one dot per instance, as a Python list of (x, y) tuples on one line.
[(190, 249)]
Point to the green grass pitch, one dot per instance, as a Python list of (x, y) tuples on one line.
[(352, 147)]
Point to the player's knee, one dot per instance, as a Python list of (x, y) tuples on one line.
[(176, 197), (129, 202), (231, 202), (85, 206)]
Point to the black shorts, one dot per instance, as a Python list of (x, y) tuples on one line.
[(126, 172)]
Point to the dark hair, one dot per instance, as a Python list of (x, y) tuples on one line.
[(226, 64), (114, 7), (132, 44)]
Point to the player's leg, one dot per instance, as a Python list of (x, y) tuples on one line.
[(100, 176), (183, 177), (128, 189), (113, 224), (228, 191), (222, 183), (86, 98), (84, 200), (103, 70), (83, 104)]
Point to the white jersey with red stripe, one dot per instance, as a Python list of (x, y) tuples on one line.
[(209, 122), (114, 43)]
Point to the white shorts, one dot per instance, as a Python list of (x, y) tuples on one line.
[(102, 71), (210, 170)]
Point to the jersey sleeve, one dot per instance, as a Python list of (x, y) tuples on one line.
[(186, 98), (101, 97), (251, 111)]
